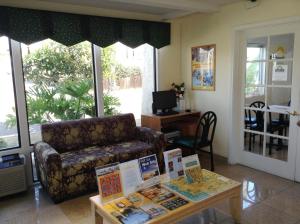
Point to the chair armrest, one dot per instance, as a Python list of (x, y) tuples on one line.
[(49, 166), (156, 138)]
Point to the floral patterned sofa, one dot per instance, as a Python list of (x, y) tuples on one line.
[(70, 150)]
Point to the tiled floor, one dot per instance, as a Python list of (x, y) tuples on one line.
[(267, 199)]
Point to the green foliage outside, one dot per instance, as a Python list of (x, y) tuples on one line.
[(122, 71), (3, 143), (252, 71), (61, 86)]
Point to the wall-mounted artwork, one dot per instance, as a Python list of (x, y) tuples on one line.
[(204, 67)]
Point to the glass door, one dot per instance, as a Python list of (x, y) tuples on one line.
[(270, 101)]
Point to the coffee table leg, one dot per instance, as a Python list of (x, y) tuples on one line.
[(96, 218), (236, 207)]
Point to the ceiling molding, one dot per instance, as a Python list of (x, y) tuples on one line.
[(185, 5)]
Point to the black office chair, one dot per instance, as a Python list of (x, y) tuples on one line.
[(203, 137)]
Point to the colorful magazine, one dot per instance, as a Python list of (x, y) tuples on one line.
[(109, 182), (126, 212), (192, 169), (149, 167), (173, 163), (157, 193), (174, 203), (153, 209)]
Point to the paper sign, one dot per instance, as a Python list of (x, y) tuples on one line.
[(280, 73)]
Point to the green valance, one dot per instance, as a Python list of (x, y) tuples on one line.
[(29, 26)]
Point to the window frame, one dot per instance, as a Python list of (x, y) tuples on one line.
[(15, 98)]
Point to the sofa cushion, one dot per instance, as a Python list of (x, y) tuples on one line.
[(85, 160), (130, 150), (123, 128)]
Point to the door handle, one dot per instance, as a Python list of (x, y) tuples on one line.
[(294, 113)]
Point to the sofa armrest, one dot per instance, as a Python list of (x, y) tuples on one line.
[(155, 138), (49, 167)]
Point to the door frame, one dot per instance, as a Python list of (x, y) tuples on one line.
[(236, 90)]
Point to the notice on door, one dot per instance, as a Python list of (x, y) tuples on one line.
[(280, 73)]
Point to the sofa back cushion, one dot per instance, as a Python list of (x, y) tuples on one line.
[(73, 135)]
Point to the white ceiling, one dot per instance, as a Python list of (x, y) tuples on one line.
[(164, 9)]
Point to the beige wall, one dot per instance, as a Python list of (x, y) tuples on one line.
[(169, 61), (216, 28)]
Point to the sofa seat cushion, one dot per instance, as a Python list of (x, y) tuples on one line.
[(84, 160), (130, 150)]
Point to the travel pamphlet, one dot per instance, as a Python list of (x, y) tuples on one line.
[(109, 182), (126, 212), (192, 169), (153, 209), (156, 193), (144, 205), (173, 163), (149, 170), (174, 203), (131, 176), (134, 208)]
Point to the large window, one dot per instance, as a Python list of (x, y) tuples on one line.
[(59, 83), (63, 83), (9, 134), (128, 79)]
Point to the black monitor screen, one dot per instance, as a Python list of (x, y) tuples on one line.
[(164, 99)]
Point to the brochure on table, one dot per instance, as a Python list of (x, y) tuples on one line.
[(192, 169), (173, 163), (117, 180), (131, 176), (109, 182), (144, 205), (149, 170), (130, 201)]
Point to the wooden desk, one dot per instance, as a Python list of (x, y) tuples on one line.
[(186, 122), (233, 193)]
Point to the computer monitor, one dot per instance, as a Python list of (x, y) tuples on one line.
[(164, 100)]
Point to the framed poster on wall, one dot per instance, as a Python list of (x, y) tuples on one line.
[(204, 67)]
